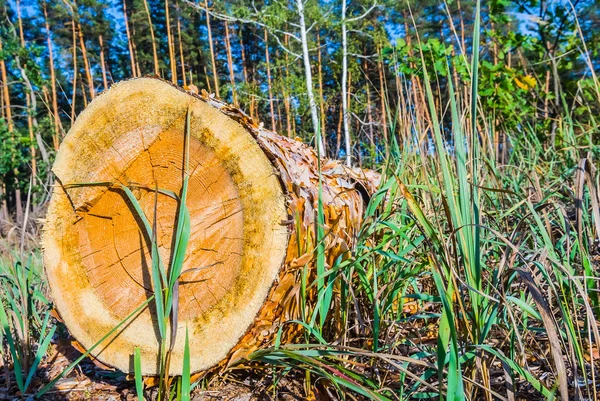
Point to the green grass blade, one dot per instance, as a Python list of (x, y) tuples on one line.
[(44, 342), (112, 331), (186, 374), (137, 366)]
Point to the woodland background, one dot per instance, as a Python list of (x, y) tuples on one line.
[(536, 60)]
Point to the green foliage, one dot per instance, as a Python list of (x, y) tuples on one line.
[(24, 317)]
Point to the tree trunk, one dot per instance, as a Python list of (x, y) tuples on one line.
[(74, 95), (181, 56), (58, 129), (129, 40), (102, 63), (230, 64), (28, 95), (314, 114), (151, 26), (273, 128), (345, 105), (212, 51), (10, 126), (321, 96), (88, 71), (252, 199), (172, 62)]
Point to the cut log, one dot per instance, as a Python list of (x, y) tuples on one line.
[(252, 199)]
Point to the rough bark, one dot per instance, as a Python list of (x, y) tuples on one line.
[(252, 199)]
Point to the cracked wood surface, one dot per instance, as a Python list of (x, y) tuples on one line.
[(252, 201)]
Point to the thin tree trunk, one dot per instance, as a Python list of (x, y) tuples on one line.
[(5, 214), (244, 66), (10, 125), (321, 97), (245, 70), (85, 100), (18, 197), (338, 142), (369, 107), (286, 97), (269, 81), (154, 52), (345, 87), (207, 79), (55, 115), (86, 63), (280, 125), (172, 61), (309, 85), (230, 64), (383, 103), (74, 96), (181, 56), (129, 40), (32, 151), (29, 98), (102, 63), (212, 51)]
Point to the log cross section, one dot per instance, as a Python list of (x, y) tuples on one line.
[(252, 199)]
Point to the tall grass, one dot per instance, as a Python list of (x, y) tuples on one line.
[(471, 279), (26, 331)]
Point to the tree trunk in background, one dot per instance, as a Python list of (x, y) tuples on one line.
[(154, 52), (102, 63), (11, 127), (369, 107), (273, 128), (321, 97), (242, 265), (212, 51), (28, 96), (345, 99), (31, 136), (5, 215), (230, 64), (181, 56), (382, 100), (74, 95), (309, 84), (338, 142), (129, 40), (247, 78), (85, 100), (291, 132), (207, 79), (55, 115), (88, 71), (172, 62)]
